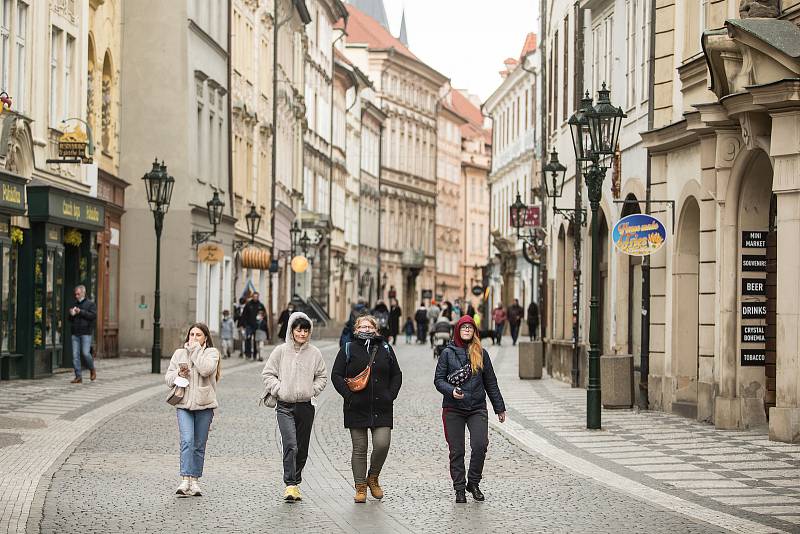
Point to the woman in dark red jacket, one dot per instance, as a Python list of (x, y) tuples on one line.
[(464, 406), (370, 409)]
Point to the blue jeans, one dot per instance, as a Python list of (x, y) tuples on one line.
[(81, 346), (193, 426)]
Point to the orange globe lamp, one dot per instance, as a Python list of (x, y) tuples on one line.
[(299, 264)]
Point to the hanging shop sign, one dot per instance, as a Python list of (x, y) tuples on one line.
[(753, 357), (754, 333), (754, 239), (754, 310), (754, 263), (48, 204), (74, 145), (477, 290), (639, 235), (210, 253), (754, 287)]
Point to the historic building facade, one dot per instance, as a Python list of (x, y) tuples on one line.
[(512, 108), (184, 123), (450, 205), (408, 92)]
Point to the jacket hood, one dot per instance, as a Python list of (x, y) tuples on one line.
[(290, 323), (457, 333)]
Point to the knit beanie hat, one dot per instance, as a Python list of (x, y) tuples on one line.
[(466, 319)]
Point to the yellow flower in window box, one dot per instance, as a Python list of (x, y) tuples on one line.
[(37, 314), (16, 235), (73, 237)]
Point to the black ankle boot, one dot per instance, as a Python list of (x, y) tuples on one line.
[(475, 491), (461, 496)]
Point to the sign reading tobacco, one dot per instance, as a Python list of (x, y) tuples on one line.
[(753, 357), (639, 235)]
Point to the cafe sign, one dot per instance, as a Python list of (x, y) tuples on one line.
[(210, 253), (639, 235)]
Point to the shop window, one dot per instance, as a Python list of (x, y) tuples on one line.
[(49, 323), (113, 283), (58, 295), (38, 298), (9, 298)]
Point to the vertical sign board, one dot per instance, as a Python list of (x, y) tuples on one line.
[(753, 335)]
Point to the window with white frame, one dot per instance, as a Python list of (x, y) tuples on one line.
[(21, 33), (69, 60), (308, 189), (644, 54), (55, 39), (631, 45), (5, 43), (602, 51)]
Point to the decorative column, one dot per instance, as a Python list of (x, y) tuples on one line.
[(784, 418)]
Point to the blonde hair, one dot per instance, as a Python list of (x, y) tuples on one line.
[(368, 318), (475, 351)]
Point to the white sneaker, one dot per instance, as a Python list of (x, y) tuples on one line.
[(194, 488), (183, 488)]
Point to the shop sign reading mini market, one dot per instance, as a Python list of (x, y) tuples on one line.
[(56, 206)]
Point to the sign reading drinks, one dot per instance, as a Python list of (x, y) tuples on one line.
[(754, 333), (639, 235), (753, 357), (754, 239), (754, 310)]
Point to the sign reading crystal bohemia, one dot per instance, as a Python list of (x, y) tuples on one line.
[(639, 235)]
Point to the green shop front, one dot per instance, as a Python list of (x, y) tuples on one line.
[(12, 205), (59, 252)]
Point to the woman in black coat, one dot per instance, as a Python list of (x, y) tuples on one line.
[(464, 406), (372, 407)]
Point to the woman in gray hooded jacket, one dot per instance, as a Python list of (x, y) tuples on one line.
[(294, 373)]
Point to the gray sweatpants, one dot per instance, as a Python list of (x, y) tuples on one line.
[(381, 438), (294, 421)]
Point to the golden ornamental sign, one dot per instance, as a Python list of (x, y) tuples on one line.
[(210, 253), (75, 144)]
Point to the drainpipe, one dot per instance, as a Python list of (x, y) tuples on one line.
[(543, 138), (380, 211), (644, 368), (330, 156), (274, 159)]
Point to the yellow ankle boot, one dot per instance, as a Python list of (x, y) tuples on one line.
[(361, 493), (374, 487)]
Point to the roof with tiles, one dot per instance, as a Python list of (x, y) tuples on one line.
[(529, 46), (361, 28)]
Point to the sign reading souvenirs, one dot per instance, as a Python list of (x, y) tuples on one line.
[(754, 310), (754, 263), (753, 357), (74, 145), (754, 287), (639, 235), (754, 333), (754, 239)]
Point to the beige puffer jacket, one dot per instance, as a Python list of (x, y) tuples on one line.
[(294, 374), (201, 393)]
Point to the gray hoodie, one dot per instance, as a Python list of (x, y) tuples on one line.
[(295, 374)]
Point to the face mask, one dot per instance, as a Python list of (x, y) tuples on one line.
[(365, 335)]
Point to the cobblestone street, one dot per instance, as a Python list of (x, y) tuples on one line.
[(121, 476)]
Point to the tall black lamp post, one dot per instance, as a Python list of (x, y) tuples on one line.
[(158, 185), (595, 132)]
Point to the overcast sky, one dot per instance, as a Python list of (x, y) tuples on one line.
[(466, 40)]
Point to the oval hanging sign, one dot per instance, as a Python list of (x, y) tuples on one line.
[(639, 235)]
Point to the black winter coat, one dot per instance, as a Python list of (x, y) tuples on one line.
[(83, 323), (475, 389), (372, 406)]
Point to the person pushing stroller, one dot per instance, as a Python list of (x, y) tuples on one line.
[(442, 334)]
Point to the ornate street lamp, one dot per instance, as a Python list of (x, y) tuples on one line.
[(604, 121), (215, 207), (252, 221), (158, 186), (556, 171), (518, 212)]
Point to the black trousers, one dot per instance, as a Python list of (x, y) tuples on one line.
[(294, 421), (455, 424), (514, 331)]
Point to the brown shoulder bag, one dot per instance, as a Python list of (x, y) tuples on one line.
[(359, 382)]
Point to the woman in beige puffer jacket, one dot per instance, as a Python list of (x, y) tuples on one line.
[(198, 362)]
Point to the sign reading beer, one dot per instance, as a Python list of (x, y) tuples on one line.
[(754, 287), (754, 263), (753, 357), (639, 235), (210, 253), (754, 333), (754, 239), (754, 310)]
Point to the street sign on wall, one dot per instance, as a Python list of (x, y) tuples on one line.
[(639, 235)]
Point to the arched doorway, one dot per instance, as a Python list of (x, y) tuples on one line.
[(569, 283), (686, 310), (559, 327)]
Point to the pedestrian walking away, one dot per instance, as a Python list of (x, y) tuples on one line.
[(283, 320), (499, 317), (294, 374), (421, 317), (395, 313), (82, 315), (250, 318), (226, 330), (408, 329), (533, 320), (366, 374), (381, 313), (464, 376), (194, 372), (261, 336), (515, 315)]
